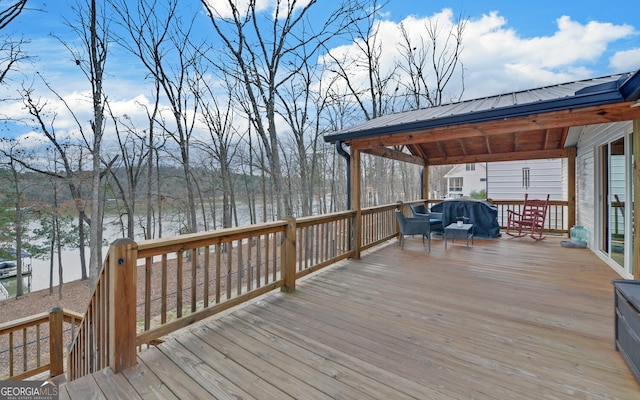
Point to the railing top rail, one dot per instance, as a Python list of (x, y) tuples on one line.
[(507, 202), (192, 240), (317, 219), (371, 210), (18, 324), (70, 315)]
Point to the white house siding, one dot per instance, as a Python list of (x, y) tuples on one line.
[(472, 181), (591, 138), (504, 179)]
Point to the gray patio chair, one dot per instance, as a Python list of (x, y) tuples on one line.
[(435, 219), (413, 226)]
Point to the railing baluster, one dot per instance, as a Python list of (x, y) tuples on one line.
[(218, 262), (163, 290), (258, 261), (38, 353), (205, 294), (266, 258), (229, 254), (194, 279), (249, 266), (147, 293), (179, 285)]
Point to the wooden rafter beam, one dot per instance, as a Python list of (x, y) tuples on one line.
[(464, 151), (441, 149), (486, 140), (546, 139), (417, 150), (510, 156), (395, 155)]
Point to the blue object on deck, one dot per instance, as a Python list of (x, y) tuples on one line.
[(578, 233), (483, 216)]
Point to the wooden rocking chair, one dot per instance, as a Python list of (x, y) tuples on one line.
[(530, 221)]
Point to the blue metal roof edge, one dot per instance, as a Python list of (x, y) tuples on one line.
[(600, 94), (630, 89)]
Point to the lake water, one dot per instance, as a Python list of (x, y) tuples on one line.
[(39, 278)]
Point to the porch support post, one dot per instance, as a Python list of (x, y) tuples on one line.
[(356, 177), (425, 181), (571, 182), (636, 199)]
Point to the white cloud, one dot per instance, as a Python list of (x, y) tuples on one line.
[(496, 53), (497, 59), (626, 60), (222, 9)]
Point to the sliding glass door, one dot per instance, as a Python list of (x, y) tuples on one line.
[(617, 202)]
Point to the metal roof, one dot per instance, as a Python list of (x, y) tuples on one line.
[(484, 115)]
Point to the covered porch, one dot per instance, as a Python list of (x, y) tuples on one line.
[(559, 121), (505, 318)]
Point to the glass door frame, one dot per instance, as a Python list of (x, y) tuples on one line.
[(603, 234)]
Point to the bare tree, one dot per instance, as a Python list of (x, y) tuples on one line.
[(91, 28), (127, 173), (371, 94), (9, 12), (68, 167), (11, 48), (303, 100), (263, 54), (162, 42), (11, 54), (430, 64), (222, 144), (16, 201)]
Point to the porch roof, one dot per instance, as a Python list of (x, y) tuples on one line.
[(529, 124)]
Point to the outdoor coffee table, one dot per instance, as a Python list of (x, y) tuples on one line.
[(455, 231)]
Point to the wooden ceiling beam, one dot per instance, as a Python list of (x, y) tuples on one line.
[(546, 140), (559, 119), (395, 155), (441, 149), (486, 140), (417, 150), (464, 151), (510, 156)]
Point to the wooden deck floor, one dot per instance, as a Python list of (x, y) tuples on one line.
[(504, 319)]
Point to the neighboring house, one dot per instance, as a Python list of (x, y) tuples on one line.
[(511, 180), (465, 179)]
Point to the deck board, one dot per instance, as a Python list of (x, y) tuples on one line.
[(506, 318)]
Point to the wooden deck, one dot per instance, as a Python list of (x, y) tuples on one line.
[(504, 319)]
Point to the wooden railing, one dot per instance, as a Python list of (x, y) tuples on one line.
[(557, 214), (379, 224), (322, 241), (149, 289), (35, 344), (177, 281), (555, 222)]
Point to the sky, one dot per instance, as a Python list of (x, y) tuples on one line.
[(508, 45)]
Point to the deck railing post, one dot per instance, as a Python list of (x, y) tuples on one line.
[(289, 259), (399, 207), (56, 357), (123, 255)]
